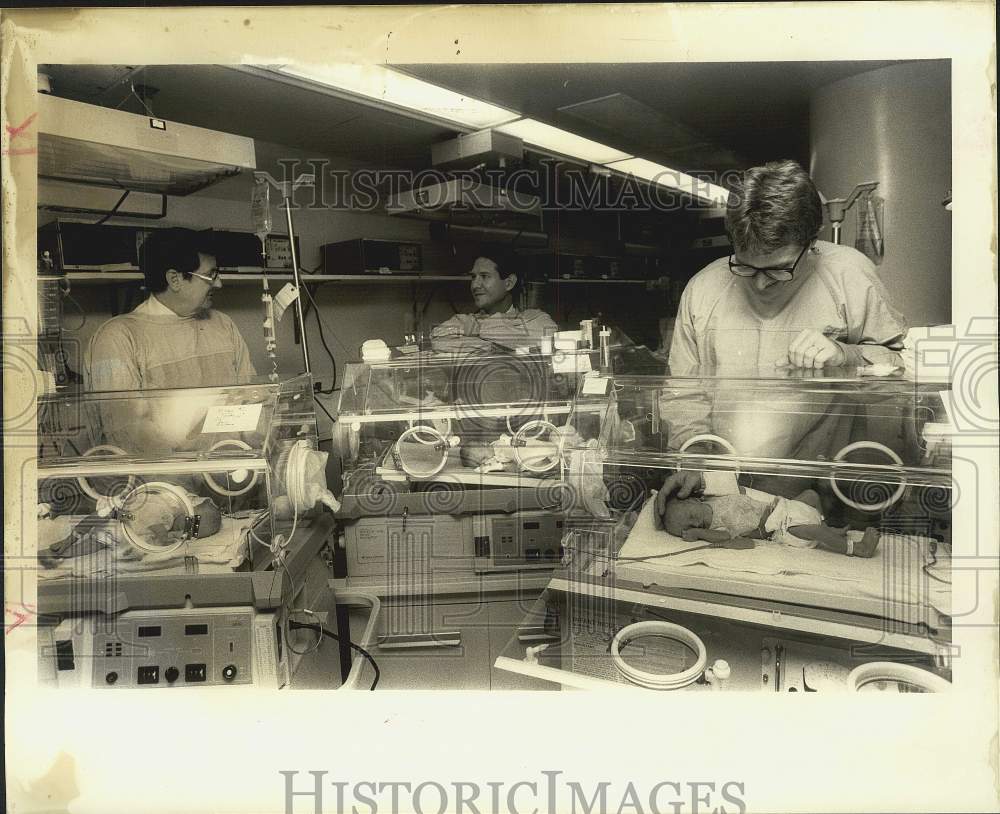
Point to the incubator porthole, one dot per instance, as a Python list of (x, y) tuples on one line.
[(98, 489), (237, 476), (890, 677), (659, 655), (869, 495), (421, 452), (157, 517), (537, 446)]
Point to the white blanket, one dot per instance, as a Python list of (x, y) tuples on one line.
[(222, 552), (893, 577)]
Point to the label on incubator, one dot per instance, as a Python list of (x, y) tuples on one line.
[(595, 385), (232, 418), (571, 363)]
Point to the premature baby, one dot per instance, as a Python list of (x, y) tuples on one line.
[(155, 516), (759, 515)]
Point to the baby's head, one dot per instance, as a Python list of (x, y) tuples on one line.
[(690, 513), (474, 453)]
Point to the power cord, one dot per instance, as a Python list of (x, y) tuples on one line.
[(322, 339), (324, 632), (114, 209), (932, 550), (323, 408)]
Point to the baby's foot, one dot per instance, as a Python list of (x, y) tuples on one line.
[(867, 545)]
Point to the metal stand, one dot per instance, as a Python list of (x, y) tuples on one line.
[(301, 181), (837, 207)]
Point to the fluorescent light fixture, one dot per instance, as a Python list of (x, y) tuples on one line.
[(390, 87), (672, 179), (551, 138), (386, 86)]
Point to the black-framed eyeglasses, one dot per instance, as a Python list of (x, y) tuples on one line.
[(781, 274)]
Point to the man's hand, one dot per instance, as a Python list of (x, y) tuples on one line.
[(812, 349), (680, 485)]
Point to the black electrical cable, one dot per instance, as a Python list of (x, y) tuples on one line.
[(927, 566), (322, 630), (114, 209), (323, 408), (322, 338)]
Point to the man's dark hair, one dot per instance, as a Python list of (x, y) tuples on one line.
[(772, 207), (175, 249), (506, 262)]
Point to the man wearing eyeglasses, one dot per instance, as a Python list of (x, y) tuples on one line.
[(781, 300), (174, 339), (783, 297)]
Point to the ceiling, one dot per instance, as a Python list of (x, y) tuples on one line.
[(690, 116), (267, 110)]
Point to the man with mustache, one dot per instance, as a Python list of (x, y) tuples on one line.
[(493, 284), (174, 339)]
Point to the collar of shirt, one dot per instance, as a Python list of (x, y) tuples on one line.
[(510, 312), (153, 307)]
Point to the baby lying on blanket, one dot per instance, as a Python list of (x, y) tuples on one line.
[(535, 454), (155, 515), (758, 515)]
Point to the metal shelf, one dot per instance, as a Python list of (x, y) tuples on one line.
[(99, 277), (558, 281)]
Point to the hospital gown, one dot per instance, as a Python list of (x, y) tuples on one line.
[(154, 348), (722, 328)]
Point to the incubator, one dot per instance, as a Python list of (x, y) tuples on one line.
[(461, 419), (158, 480), (458, 463), (816, 538), (179, 529)]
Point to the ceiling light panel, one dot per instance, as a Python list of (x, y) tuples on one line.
[(384, 85), (672, 179), (546, 137)]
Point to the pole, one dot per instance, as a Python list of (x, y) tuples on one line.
[(295, 275)]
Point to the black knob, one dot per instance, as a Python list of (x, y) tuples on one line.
[(111, 677), (171, 674), (229, 672)]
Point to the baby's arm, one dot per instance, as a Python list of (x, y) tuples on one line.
[(708, 535)]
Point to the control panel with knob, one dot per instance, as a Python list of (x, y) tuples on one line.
[(200, 647)]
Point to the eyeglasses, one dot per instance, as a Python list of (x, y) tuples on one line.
[(210, 280), (781, 275)]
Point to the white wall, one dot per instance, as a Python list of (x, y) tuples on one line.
[(893, 125)]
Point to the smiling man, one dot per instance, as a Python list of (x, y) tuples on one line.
[(174, 339), (494, 285)]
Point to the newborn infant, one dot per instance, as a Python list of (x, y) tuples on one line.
[(93, 532), (758, 515), (499, 455)]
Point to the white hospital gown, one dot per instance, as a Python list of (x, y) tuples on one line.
[(152, 348), (722, 328)]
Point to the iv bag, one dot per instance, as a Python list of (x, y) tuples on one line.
[(869, 240), (260, 209)]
